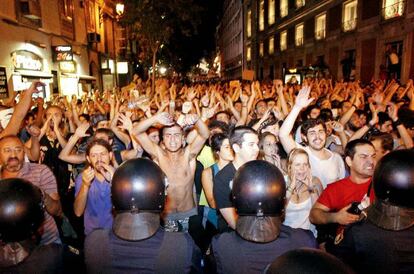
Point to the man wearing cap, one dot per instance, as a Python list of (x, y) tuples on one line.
[(383, 243), (136, 243), (259, 197)]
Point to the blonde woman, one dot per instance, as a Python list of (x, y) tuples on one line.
[(302, 190)]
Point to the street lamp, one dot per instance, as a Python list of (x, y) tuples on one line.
[(119, 8)]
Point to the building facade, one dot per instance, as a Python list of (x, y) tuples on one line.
[(70, 45), (230, 39), (357, 38)]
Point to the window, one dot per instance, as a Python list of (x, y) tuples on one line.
[(392, 8), (68, 9), (283, 40), (28, 12), (261, 49), (284, 8), (249, 53), (271, 12), (249, 23), (300, 3), (261, 15), (271, 45), (349, 15), (299, 35), (320, 26)]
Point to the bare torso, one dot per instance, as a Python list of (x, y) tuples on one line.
[(179, 169)]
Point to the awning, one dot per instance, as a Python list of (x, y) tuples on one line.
[(80, 76), (33, 73)]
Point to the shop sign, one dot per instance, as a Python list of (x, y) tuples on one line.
[(4, 91), (62, 53), (26, 60), (68, 67)]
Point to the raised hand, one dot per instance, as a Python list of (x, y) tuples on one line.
[(126, 122), (107, 171), (33, 130), (302, 99), (393, 111), (164, 118), (191, 119), (80, 132), (337, 127), (87, 176)]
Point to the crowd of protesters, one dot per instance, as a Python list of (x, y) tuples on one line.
[(324, 136)]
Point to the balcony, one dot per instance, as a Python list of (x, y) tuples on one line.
[(349, 25), (320, 34), (393, 10)]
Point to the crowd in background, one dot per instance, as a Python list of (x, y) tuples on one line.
[(200, 134)]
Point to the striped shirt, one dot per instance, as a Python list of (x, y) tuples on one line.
[(42, 177)]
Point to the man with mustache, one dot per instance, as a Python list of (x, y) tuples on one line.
[(12, 155), (335, 205), (93, 187)]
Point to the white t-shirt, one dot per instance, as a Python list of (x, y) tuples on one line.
[(329, 170)]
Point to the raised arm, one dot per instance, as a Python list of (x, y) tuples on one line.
[(66, 153), (302, 101), (20, 110)]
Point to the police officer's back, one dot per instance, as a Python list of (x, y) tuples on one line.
[(137, 243), (259, 197)]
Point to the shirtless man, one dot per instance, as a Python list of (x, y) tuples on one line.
[(177, 162)]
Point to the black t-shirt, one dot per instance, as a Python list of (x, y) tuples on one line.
[(370, 249), (222, 193), (234, 254)]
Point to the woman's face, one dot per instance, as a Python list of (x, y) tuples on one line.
[(226, 152), (270, 148), (300, 166)]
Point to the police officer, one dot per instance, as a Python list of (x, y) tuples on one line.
[(260, 237), (384, 243), (21, 215), (307, 261), (137, 243)]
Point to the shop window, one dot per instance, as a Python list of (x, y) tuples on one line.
[(283, 40), (271, 45), (29, 12), (261, 15), (349, 15), (320, 26), (271, 12), (299, 35), (284, 8), (261, 49), (300, 3), (392, 8), (249, 23)]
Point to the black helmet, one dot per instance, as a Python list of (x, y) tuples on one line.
[(21, 209), (307, 260), (393, 183), (138, 196), (259, 192)]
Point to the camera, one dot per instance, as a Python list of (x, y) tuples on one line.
[(355, 208)]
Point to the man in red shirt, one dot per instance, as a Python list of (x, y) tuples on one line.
[(336, 200)]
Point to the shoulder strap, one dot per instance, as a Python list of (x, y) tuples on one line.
[(214, 169)]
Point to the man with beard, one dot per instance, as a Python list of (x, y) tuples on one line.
[(12, 162), (334, 204), (245, 144), (93, 187), (177, 162), (326, 165)]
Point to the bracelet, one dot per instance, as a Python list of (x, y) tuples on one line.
[(244, 106), (354, 106)]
